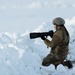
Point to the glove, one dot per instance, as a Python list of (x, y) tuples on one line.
[(51, 33), (43, 38)]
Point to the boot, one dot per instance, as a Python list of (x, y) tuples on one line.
[(67, 63)]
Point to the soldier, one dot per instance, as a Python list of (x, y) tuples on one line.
[(59, 44)]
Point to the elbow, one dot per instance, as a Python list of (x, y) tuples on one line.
[(47, 42)]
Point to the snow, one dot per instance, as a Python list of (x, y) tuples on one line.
[(20, 55)]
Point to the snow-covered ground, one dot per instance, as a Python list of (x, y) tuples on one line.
[(20, 55)]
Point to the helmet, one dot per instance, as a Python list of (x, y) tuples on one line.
[(59, 21)]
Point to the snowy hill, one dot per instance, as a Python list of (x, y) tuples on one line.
[(19, 55)]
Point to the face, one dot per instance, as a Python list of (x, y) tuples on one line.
[(55, 26)]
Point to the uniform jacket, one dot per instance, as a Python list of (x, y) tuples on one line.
[(59, 43)]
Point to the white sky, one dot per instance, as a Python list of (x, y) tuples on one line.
[(22, 15)]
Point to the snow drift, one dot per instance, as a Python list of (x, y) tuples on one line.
[(19, 55)]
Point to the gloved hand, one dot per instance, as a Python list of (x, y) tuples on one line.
[(51, 33), (43, 38)]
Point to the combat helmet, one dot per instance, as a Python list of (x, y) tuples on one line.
[(59, 21)]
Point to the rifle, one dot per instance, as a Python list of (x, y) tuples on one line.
[(37, 35)]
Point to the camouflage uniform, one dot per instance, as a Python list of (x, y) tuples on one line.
[(59, 47)]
